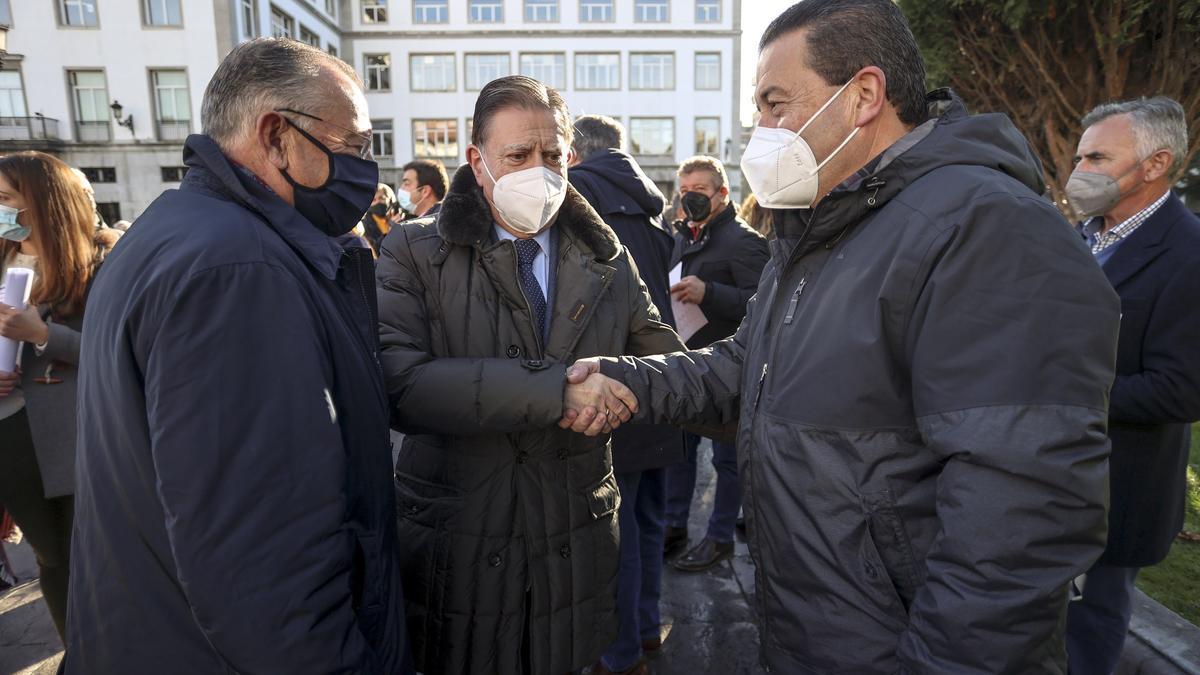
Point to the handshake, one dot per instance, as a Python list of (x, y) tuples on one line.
[(593, 403)]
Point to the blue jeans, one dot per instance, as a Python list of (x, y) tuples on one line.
[(639, 581), (1097, 623), (681, 483)]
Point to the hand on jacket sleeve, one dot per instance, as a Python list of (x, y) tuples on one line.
[(250, 471)]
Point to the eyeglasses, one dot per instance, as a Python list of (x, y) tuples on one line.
[(364, 150)]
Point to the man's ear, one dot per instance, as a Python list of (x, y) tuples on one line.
[(1159, 164), (271, 140), (475, 159), (871, 89)]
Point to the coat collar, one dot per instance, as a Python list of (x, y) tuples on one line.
[(211, 171), (466, 219), (1145, 243)]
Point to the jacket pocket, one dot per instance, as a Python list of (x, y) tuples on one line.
[(892, 547)]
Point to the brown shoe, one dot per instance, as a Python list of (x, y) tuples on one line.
[(706, 555)]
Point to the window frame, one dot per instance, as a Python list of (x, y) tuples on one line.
[(105, 120), (376, 5), (380, 127), (61, 9), (453, 70), (444, 10), (305, 30), (555, 4), (720, 12), (495, 5), (290, 23), (565, 67), (696, 71), (467, 67), (156, 106), (181, 171), (449, 120), (632, 58), (612, 14), (146, 15), (633, 123), (638, 6), (579, 81), (696, 131), (386, 68), (249, 32), (90, 172)]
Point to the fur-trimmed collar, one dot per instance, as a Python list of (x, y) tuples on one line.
[(466, 219)]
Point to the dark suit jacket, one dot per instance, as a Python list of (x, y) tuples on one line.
[(1157, 389)]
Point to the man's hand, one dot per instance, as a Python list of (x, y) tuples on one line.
[(24, 326), (8, 382), (690, 290), (595, 404)]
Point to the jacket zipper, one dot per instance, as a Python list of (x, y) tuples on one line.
[(791, 313)]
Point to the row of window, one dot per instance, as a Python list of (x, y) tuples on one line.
[(540, 11), (594, 71), (439, 138), (108, 174), (282, 25), (85, 14), (91, 106)]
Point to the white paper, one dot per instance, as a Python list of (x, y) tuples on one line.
[(689, 318), (675, 274), (17, 286)]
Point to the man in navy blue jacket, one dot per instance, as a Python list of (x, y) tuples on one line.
[(235, 508), (1149, 246)]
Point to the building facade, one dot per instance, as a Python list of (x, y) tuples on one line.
[(114, 86)]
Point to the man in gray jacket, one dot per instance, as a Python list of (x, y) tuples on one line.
[(920, 385)]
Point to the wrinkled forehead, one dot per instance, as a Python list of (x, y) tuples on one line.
[(530, 129), (1111, 135)]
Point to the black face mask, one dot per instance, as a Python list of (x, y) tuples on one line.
[(697, 206), (379, 209), (336, 206)]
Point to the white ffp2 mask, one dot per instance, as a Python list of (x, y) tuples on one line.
[(780, 166), (529, 199)]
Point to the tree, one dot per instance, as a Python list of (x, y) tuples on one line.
[(1046, 63)]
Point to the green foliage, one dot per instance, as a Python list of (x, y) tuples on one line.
[(1175, 582)]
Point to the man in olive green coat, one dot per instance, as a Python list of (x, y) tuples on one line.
[(509, 521)]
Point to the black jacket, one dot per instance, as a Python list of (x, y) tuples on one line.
[(728, 257), (234, 504), (921, 386), (1157, 390), (630, 203)]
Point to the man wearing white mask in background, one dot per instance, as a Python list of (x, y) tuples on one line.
[(1148, 244), (509, 521), (920, 383)]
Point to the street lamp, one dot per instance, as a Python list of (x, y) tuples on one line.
[(117, 109)]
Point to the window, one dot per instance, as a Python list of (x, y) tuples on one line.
[(435, 138), (309, 37), (249, 20), (379, 72), (708, 11), (90, 98), (652, 11), (78, 13), (172, 105), (382, 138), (282, 25), (109, 211), (162, 12), (487, 11), (173, 174), (652, 135), (12, 95), (651, 71), (597, 71), (374, 11), (483, 68), (332, 49), (430, 11), (431, 72), (708, 70), (549, 69), (5, 13), (331, 8), (100, 174), (541, 11), (708, 136), (595, 11)]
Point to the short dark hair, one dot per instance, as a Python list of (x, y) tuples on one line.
[(597, 133), (846, 36), (518, 91), (429, 172)]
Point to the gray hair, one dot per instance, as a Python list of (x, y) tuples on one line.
[(1158, 124), (519, 91), (262, 75), (597, 133), (705, 163)]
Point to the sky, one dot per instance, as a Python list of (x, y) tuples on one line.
[(756, 15)]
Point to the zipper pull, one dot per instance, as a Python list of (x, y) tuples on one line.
[(791, 313), (874, 184), (761, 380)]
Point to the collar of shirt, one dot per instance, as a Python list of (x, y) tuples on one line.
[(1099, 241), (541, 266)]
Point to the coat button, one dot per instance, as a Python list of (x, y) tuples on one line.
[(563, 453), (513, 351), (522, 457), (565, 551), (494, 561)]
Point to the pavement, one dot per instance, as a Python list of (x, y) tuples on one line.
[(708, 623)]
